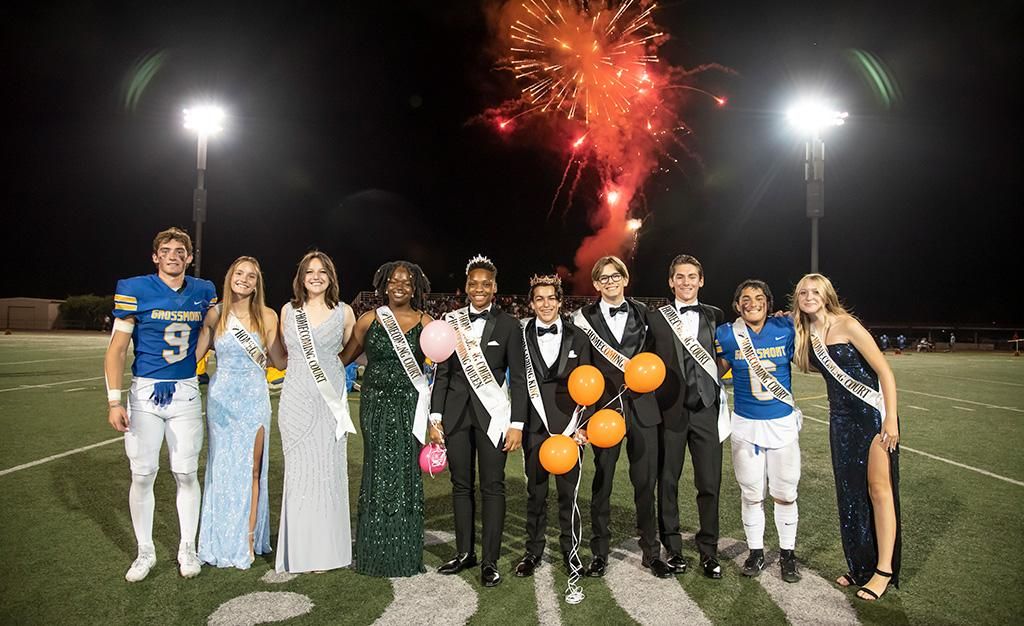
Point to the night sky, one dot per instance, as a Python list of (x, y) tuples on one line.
[(349, 130)]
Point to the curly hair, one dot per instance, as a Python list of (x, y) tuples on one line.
[(420, 282)]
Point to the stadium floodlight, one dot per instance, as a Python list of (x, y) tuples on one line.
[(205, 121), (811, 117)]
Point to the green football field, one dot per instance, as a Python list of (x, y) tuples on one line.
[(67, 538)]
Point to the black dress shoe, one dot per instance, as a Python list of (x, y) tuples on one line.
[(463, 560), (597, 567), (677, 564), (658, 567), (526, 565), (712, 568), (489, 576)]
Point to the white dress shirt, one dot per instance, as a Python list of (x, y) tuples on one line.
[(477, 325), (616, 323), (690, 320), (550, 344)]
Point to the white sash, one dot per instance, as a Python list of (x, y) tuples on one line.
[(769, 382), (613, 356), (412, 369), (867, 394), (253, 349), (481, 378), (337, 403), (533, 388), (706, 362)]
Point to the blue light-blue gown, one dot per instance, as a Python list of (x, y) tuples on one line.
[(237, 406)]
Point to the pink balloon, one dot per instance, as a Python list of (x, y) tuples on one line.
[(433, 459), (437, 340)]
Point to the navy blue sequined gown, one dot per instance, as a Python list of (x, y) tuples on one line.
[(853, 424)]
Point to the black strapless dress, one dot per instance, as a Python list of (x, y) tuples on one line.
[(853, 425)]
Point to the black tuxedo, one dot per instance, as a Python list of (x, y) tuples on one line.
[(465, 422), (689, 407), (642, 418), (574, 350)]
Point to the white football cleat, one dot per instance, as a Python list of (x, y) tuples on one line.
[(188, 563), (140, 567)]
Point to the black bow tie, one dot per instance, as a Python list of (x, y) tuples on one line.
[(622, 308), (550, 329), (483, 315), (690, 307)]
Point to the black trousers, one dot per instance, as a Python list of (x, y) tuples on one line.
[(700, 434), (642, 451), (469, 447), (537, 498)]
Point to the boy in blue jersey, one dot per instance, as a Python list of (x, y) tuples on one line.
[(765, 422), (161, 314)]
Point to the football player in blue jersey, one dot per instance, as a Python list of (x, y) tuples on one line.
[(161, 314), (765, 421)]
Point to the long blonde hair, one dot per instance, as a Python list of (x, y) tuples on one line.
[(256, 299), (833, 308)]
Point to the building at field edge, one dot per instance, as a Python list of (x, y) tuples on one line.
[(28, 313)]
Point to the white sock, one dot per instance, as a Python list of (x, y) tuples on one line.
[(189, 499), (753, 523), (140, 503), (786, 517)]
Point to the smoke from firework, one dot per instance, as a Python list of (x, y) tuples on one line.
[(592, 69)]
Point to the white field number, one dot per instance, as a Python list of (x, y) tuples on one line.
[(176, 335)]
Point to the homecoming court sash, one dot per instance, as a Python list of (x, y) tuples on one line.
[(613, 356), (479, 374), (533, 388), (245, 339), (706, 362), (337, 403), (868, 395), (412, 369), (769, 382)]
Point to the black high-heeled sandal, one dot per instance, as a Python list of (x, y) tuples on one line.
[(875, 596), (850, 582)]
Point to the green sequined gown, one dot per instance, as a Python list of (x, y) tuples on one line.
[(389, 536)]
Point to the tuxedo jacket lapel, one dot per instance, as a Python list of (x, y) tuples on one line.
[(564, 348), (539, 366), (601, 326), (492, 321)]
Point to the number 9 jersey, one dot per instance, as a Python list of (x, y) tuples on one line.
[(167, 323)]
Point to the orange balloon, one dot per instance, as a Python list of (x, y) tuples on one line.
[(606, 428), (645, 372), (559, 454), (586, 384)]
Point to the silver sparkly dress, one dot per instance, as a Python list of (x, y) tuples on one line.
[(315, 532)]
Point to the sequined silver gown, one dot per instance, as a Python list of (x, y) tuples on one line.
[(315, 532), (852, 426)]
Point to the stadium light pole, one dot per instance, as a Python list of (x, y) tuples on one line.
[(205, 121), (811, 118)]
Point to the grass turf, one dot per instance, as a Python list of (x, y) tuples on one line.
[(68, 538)]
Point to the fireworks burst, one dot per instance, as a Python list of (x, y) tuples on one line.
[(592, 69)]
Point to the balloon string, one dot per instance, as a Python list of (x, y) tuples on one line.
[(573, 591)]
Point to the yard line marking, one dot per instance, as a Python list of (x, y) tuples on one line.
[(75, 389), (979, 380), (939, 458), (63, 382), (818, 406), (818, 397), (963, 408), (16, 468), (919, 408), (984, 404), (67, 358)]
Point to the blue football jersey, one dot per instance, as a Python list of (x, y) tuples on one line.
[(167, 323), (775, 348)]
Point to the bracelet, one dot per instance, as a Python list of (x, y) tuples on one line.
[(114, 395)]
